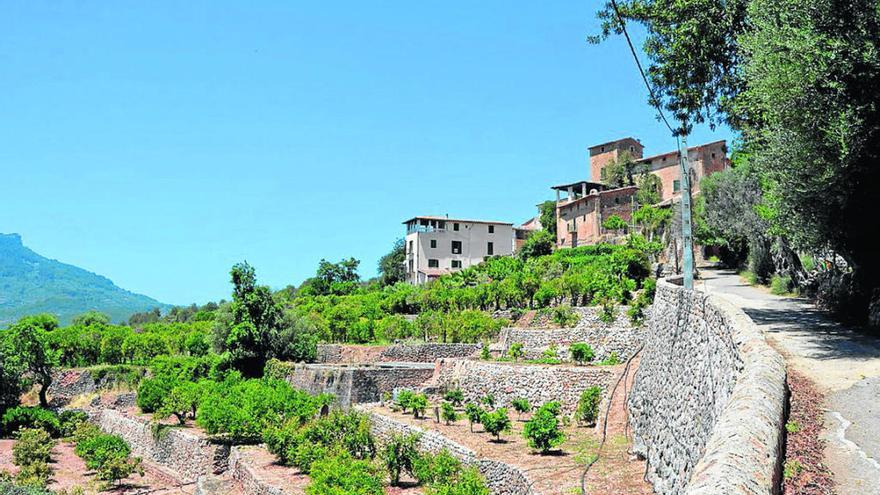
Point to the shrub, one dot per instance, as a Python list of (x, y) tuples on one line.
[(614, 222), (550, 354), (489, 400), (152, 392), (521, 405), (469, 481), (581, 352), (542, 431), (30, 417), (70, 420), (109, 456), (485, 355), (780, 285), (455, 396), (399, 455), (564, 316), (241, 410), (343, 475), (436, 469), (611, 360), (418, 404), (32, 453), (496, 422), (516, 351), (474, 414), (588, 406), (298, 445), (182, 401), (447, 412), (404, 399)]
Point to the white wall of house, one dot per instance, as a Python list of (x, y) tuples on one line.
[(432, 250)]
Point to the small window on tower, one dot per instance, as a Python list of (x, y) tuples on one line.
[(676, 185), (433, 243), (491, 229), (490, 249), (455, 227), (433, 263), (456, 263)]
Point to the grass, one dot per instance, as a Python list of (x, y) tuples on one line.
[(780, 286), (792, 427), (792, 468), (749, 277)]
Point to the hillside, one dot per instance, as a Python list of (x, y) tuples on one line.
[(30, 283)]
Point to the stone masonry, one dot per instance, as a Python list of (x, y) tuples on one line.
[(619, 336), (183, 451), (537, 383), (501, 478), (406, 352), (707, 406)]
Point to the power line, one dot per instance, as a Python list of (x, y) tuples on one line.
[(654, 101)]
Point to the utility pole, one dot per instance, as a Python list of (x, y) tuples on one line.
[(687, 255)]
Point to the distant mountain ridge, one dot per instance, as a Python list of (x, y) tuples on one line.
[(30, 283)]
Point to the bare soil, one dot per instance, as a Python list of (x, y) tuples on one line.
[(69, 471), (559, 472), (804, 448)]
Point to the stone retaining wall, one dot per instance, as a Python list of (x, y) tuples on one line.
[(537, 383), (501, 478), (352, 384), (707, 406), (71, 382), (184, 452), (245, 474), (407, 352), (619, 336)]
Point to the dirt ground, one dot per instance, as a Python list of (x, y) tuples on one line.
[(560, 472), (69, 471)]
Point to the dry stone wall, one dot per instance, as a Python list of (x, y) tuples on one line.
[(501, 478), (619, 336), (352, 384), (186, 453), (707, 406), (246, 475), (406, 352), (537, 383)]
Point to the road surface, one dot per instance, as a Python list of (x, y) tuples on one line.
[(843, 364)]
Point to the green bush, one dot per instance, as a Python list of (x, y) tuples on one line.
[(780, 285), (400, 455), (30, 417), (300, 445), (436, 469), (69, 420), (32, 453), (447, 413), (515, 351), (108, 455), (455, 396), (152, 392), (240, 410), (182, 401), (496, 422), (418, 404), (404, 399), (521, 405), (588, 406), (542, 431), (611, 360), (342, 475), (469, 481), (485, 355), (489, 401), (564, 316), (7, 487), (581, 352), (474, 414)]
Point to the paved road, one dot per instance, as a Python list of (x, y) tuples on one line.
[(844, 364)]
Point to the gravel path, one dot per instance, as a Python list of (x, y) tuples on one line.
[(843, 364)]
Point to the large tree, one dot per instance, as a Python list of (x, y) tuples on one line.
[(391, 266), (26, 345), (800, 79)]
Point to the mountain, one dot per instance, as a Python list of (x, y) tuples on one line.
[(30, 283)]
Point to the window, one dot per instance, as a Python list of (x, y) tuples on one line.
[(602, 150), (455, 227), (410, 247), (433, 243), (676, 185), (456, 263), (491, 229), (631, 149), (410, 266), (713, 156), (433, 263), (456, 247), (490, 249)]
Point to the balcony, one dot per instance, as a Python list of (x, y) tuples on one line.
[(424, 229)]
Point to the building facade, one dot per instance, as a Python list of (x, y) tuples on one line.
[(440, 245), (704, 159), (582, 207)]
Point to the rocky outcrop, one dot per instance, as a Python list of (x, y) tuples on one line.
[(707, 406)]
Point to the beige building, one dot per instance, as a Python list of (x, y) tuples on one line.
[(439, 245)]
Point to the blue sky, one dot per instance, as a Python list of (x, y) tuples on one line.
[(158, 143)]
